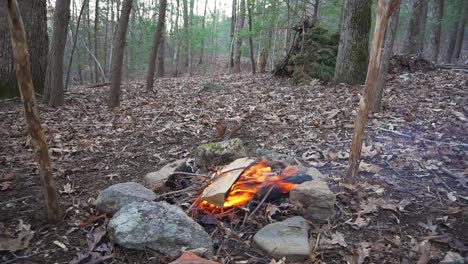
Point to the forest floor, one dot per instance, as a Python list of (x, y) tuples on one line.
[(414, 160)]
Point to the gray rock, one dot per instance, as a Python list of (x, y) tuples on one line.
[(289, 239), (159, 226), (118, 195), (158, 179), (216, 153), (314, 200), (272, 155), (315, 173)]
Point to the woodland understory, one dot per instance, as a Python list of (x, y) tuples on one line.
[(415, 151)]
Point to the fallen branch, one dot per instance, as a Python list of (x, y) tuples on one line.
[(423, 139)]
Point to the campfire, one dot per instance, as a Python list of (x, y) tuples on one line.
[(246, 179)]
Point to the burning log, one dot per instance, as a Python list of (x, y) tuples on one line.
[(217, 192)]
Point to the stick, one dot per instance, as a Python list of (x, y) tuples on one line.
[(16, 200), (25, 84), (13, 260), (261, 202)]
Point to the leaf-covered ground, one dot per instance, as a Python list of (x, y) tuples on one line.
[(412, 200)]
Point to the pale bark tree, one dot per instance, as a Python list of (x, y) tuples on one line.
[(353, 51), (176, 41), (250, 4), (384, 9), (434, 43), (25, 84), (238, 50), (35, 22), (386, 55), (262, 60), (54, 91), (460, 32), (118, 54), (156, 44), (413, 40), (202, 50)]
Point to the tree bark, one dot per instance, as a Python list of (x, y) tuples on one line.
[(233, 32), (25, 83), (384, 10), (118, 54), (386, 55), (434, 43), (353, 51), (238, 51), (250, 3), (460, 32), (35, 22), (54, 91), (413, 40), (262, 61), (160, 68), (156, 43), (176, 41), (202, 51)]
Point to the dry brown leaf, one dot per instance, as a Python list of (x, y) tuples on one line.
[(374, 169), (9, 242)]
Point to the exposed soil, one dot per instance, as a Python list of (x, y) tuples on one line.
[(417, 146)]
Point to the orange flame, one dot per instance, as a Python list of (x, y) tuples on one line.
[(252, 180)]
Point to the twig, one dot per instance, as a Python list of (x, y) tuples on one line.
[(16, 200), (316, 243), (449, 173), (423, 139), (189, 173), (13, 260), (261, 202), (176, 192)]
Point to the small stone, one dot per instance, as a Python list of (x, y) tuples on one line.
[(118, 195), (159, 226), (217, 153), (315, 173), (157, 179), (314, 200), (289, 239)]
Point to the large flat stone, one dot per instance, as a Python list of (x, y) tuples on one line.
[(314, 200), (118, 195)]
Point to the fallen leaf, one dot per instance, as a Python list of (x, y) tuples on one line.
[(190, 258), (429, 225), (451, 196), (363, 251), (67, 189), (7, 176), (452, 257), (60, 245), (5, 185), (10, 243), (338, 238), (374, 169)]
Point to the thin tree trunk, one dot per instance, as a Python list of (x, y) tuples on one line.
[(96, 35), (25, 84), (160, 69), (176, 41), (384, 10), (238, 52), (118, 55), (353, 51), (386, 55), (54, 95), (106, 35), (233, 34), (190, 41), (434, 43), (460, 32), (250, 3), (75, 39), (186, 32), (202, 51), (413, 40), (157, 40)]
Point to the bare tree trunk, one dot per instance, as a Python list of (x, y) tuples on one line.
[(176, 41), (186, 32), (353, 51), (262, 61), (413, 42), (384, 10), (118, 54), (202, 51), (250, 3), (233, 32), (75, 39), (160, 69), (238, 52), (96, 37), (434, 43), (190, 44), (386, 55), (316, 12), (25, 84), (54, 92), (460, 32), (157, 40), (35, 22)]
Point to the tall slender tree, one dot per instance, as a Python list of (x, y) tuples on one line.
[(414, 36), (156, 44), (460, 31), (240, 26), (54, 91), (118, 54), (434, 43), (250, 4), (353, 51), (96, 41)]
